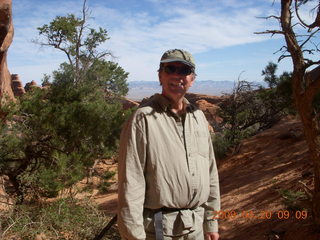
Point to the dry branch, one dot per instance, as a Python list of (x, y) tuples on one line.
[(268, 17), (270, 32)]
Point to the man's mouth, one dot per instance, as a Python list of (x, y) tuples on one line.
[(177, 84)]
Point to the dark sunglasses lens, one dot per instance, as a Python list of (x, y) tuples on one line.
[(185, 71), (170, 69)]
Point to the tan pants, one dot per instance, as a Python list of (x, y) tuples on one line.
[(195, 235), (171, 220)]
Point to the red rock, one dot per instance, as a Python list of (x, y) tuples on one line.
[(6, 36), (16, 85), (127, 103), (31, 85)]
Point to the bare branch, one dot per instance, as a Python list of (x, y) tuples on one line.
[(79, 37), (310, 63), (316, 22), (271, 16), (302, 35), (8, 228), (308, 191), (55, 45), (7, 203), (298, 23), (298, 16), (309, 37), (291, 40), (309, 51), (281, 50), (283, 57), (316, 46), (270, 32)]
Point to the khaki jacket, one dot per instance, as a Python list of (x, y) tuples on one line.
[(166, 162)]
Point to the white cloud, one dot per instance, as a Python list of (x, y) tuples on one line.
[(186, 28), (138, 38)]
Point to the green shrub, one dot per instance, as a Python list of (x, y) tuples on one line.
[(52, 135), (292, 200), (55, 135), (64, 219), (251, 108), (284, 90), (104, 187), (108, 175), (105, 184), (221, 145)]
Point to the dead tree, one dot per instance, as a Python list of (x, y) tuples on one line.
[(305, 82)]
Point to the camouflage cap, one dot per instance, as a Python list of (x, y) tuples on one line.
[(178, 55)]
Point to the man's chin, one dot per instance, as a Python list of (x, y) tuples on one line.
[(177, 95), (178, 91), (174, 96)]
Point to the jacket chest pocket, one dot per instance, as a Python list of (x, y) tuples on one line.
[(201, 143)]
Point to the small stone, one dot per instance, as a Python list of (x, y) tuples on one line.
[(40, 236)]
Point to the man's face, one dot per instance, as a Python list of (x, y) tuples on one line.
[(175, 80)]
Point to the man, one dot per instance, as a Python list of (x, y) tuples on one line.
[(168, 180)]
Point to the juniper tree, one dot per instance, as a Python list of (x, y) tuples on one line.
[(53, 135)]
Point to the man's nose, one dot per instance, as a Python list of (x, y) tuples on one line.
[(177, 76)]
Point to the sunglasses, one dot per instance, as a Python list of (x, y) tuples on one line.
[(184, 71)]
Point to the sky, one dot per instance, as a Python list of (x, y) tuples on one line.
[(219, 34)]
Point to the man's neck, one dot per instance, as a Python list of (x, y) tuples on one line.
[(177, 105), (178, 108)]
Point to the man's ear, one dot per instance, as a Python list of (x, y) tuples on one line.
[(193, 79), (159, 75)]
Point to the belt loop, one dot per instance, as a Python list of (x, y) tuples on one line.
[(158, 225)]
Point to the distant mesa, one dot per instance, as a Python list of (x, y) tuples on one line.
[(138, 90)]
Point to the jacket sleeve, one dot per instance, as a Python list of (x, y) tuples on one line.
[(131, 181), (213, 203)]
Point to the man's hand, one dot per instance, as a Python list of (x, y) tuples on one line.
[(212, 236)]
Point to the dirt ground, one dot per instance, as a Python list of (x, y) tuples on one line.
[(251, 180)]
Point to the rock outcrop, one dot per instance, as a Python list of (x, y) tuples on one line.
[(127, 103), (30, 85), (16, 85), (210, 107), (6, 36)]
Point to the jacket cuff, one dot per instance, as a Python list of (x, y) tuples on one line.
[(211, 226)]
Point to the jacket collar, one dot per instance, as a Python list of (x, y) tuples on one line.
[(165, 103)]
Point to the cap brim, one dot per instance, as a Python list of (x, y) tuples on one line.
[(177, 60)]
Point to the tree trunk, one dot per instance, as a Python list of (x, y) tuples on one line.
[(15, 182), (305, 86), (311, 131), (311, 125)]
